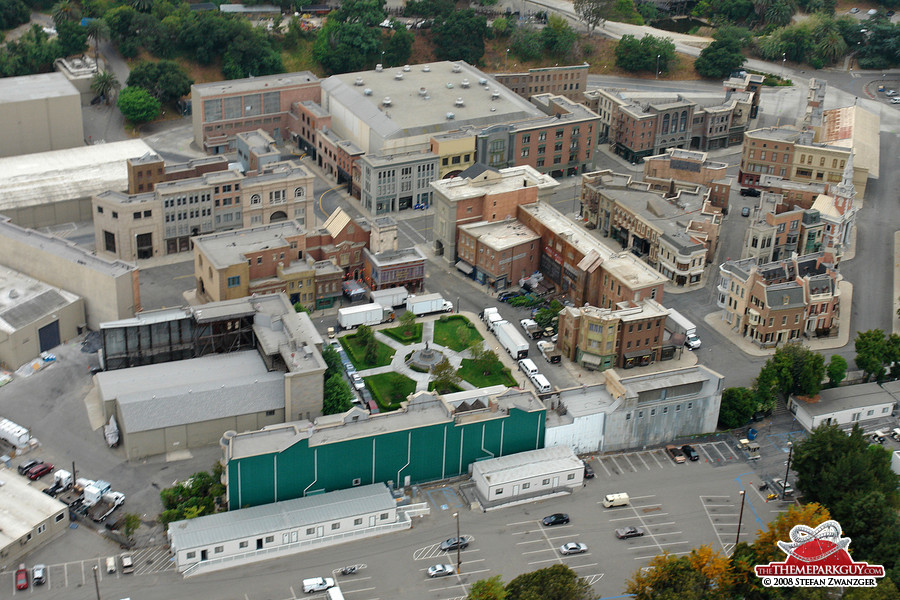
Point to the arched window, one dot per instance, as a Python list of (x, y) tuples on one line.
[(683, 120), (298, 192), (665, 127)]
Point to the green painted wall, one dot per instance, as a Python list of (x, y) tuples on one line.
[(424, 454)]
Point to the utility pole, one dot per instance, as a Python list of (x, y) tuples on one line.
[(737, 537), (787, 470), (96, 582), (657, 65), (458, 546)]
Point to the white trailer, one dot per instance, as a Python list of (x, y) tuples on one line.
[(678, 323), (511, 340), (491, 316), (427, 304), (390, 297), (366, 314), (16, 435)]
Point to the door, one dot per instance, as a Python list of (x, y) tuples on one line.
[(515, 491), (48, 336), (144, 245), (259, 543), (556, 482), (203, 555), (320, 531), (372, 521)]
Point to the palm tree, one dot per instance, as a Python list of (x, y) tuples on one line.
[(142, 5), (97, 31), (66, 10), (105, 83), (831, 46)]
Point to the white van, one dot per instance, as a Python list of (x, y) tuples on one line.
[(527, 366), (127, 564), (611, 500), (541, 383), (111, 564), (334, 594)]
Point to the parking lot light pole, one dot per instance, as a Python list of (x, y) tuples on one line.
[(96, 582), (737, 537), (657, 65), (458, 546), (787, 470)]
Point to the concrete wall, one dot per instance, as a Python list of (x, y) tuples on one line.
[(51, 213), (40, 124), (583, 435), (303, 394)]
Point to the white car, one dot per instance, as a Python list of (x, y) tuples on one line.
[(572, 548), (895, 100), (317, 584), (692, 341), (358, 382), (441, 570), (891, 93)]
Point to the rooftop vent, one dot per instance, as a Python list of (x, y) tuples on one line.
[(495, 95), (449, 86), (406, 68), (423, 91), (359, 81), (398, 75), (386, 101), (379, 68), (367, 92), (459, 102), (450, 116), (464, 83), (482, 81), (427, 69), (457, 68)]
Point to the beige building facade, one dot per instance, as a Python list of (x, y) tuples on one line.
[(39, 113), (29, 519)]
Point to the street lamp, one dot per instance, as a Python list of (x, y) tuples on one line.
[(657, 65), (506, 61), (96, 583), (740, 518), (382, 58), (787, 470), (783, 58), (458, 545)]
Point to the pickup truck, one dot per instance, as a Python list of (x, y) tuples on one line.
[(549, 352), (530, 327)]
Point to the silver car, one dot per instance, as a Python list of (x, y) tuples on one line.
[(572, 548), (441, 570), (629, 532), (39, 574)]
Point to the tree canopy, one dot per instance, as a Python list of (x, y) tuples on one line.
[(875, 352), (719, 59), (165, 80), (558, 582), (591, 12), (138, 105), (737, 407), (461, 37), (641, 55)]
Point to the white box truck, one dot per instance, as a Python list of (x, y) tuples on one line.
[(511, 340), (491, 316), (366, 314), (427, 304), (390, 297), (678, 324)]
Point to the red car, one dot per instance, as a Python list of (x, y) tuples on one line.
[(22, 578), (38, 471)]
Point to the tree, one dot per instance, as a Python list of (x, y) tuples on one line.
[(719, 59), (13, 13), (332, 360), (461, 37), (300, 308), (765, 547), (164, 80), (445, 376), (527, 43), (641, 55), (487, 589), (65, 10), (872, 523), (408, 322), (336, 396), (701, 574), (371, 350), (765, 387), (399, 45), (363, 334), (501, 28), (591, 12), (737, 407), (558, 582), (343, 47), (558, 36), (97, 31), (71, 38), (871, 348), (485, 358), (105, 84), (138, 105), (837, 370), (132, 523), (142, 5)]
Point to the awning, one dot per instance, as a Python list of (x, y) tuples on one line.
[(638, 354), (464, 267), (591, 359)]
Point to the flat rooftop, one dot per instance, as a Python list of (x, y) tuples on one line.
[(231, 247), (421, 99), (23, 507), (389, 258), (266, 83), (24, 300), (500, 181), (500, 235), (847, 398), (36, 87)]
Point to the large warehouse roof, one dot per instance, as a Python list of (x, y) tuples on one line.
[(291, 514), (36, 87), (58, 175)]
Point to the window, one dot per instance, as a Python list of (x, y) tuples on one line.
[(384, 516), (868, 414), (545, 482), (270, 539), (525, 486), (59, 517), (270, 413), (570, 476), (690, 405), (652, 412), (627, 416), (357, 521), (43, 527), (335, 526), (115, 215), (526, 139), (219, 549), (242, 545), (640, 414), (109, 241), (100, 210), (498, 491), (254, 199), (234, 281)]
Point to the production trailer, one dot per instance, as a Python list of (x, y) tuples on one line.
[(427, 304), (678, 323), (491, 316), (367, 314), (390, 297), (511, 340)]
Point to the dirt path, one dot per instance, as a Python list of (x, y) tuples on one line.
[(41, 19)]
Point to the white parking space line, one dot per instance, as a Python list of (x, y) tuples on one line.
[(649, 556), (536, 551), (529, 542), (592, 579), (642, 497), (708, 457), (643, 461), (602, 463), (730, 450), (520, 523), (716, 526), (659, 464), (368, 589), (716, 448), (630, 464)]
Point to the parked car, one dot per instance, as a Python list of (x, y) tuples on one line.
[(555, 519), (745, 212), (782, 487), (506, 296), (753, 192), (889, 14), (22, 577), (453, 543), (441, 570), (588, 471), (854, 10), (891, 93), (895, 100), (39, 574), (689, 452), (38, 471), (629, 532), (317, 584), (676, 454), (357, 380), (27, 465), (572, 548), (692, 341)]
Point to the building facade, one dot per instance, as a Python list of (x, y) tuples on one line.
[(498, 253), (394, 268), (148, 170), (569, 81), (39, 113)]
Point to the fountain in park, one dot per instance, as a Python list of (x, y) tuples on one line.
[(425, 358)]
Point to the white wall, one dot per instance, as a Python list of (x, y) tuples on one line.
[(536, 483), (583, 436)]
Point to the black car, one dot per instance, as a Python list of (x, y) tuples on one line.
[(507, 295), (750, 192), (27, 465), (690, 452), (588, 471), (745, 212), (555, 519), (453, 543)]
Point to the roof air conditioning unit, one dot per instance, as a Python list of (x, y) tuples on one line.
[(406, 68), (398, 75), (450, 116), (482, 81), (457, 68), (423, 91), (427, 69), (367, 92), (449, 86), (386, 101), (495, 95), (379, 68), (465, 83), (359, 81), (459, 102)]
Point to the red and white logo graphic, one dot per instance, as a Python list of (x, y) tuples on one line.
[(818, 558)]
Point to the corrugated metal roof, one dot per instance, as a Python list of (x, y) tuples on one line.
[(515, 467), (291, 514), (336, 222)]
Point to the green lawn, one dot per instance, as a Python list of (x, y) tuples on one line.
[(357, 353), (451, 390), (397, 334), (390, 389), (455, 332), (500, 375)]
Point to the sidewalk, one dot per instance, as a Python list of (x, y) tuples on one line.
[(714, 320)]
